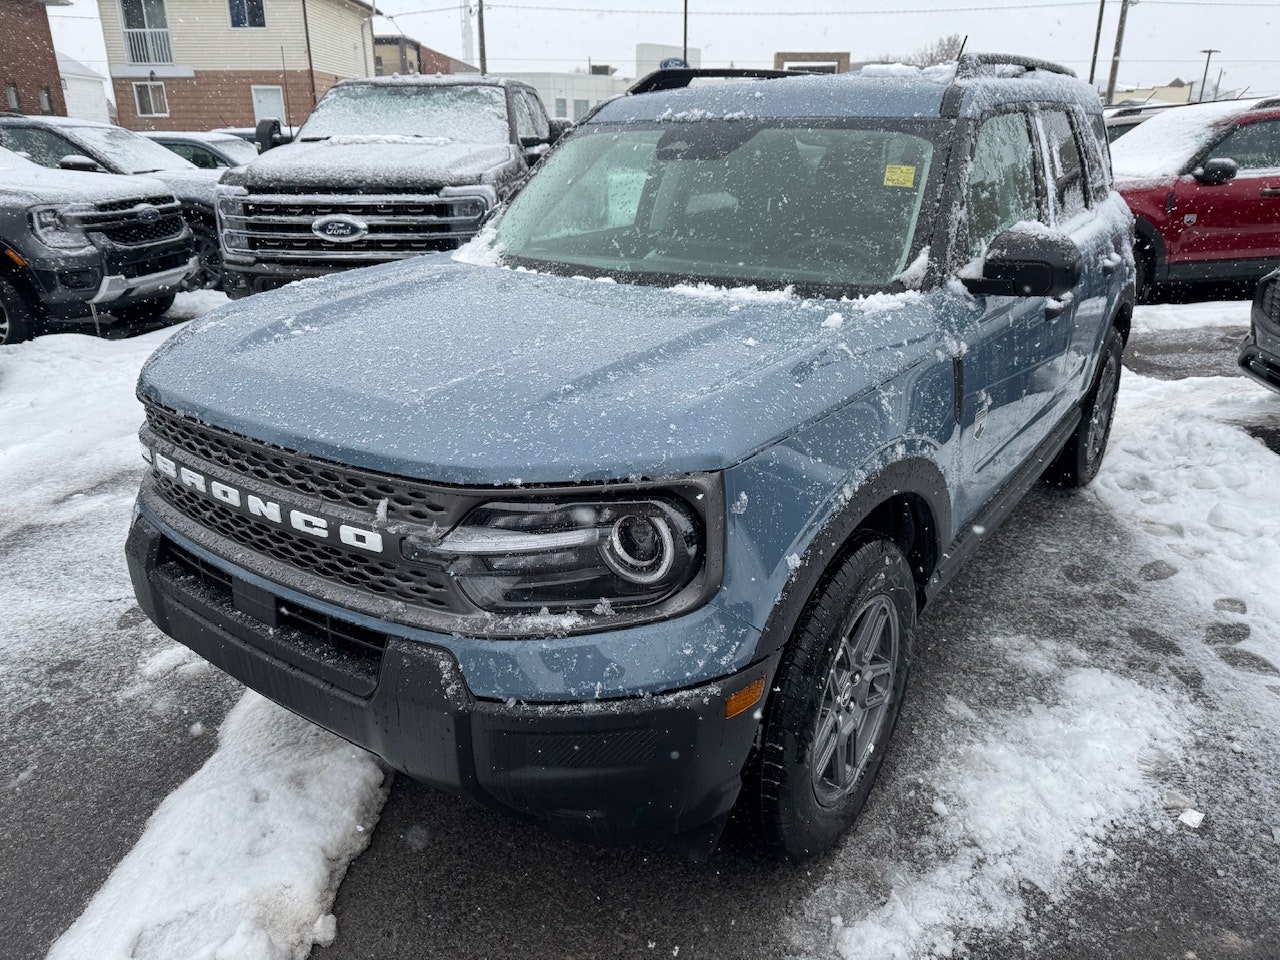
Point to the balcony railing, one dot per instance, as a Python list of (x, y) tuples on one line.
[(148, 46)]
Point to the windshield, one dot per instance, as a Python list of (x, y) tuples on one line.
[(128, 151), (727, 201), (470, 114)]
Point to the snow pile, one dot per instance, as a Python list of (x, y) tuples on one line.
[(1203, 491), (1020, 806), (751, 294), (1172, 317), (1162, 146), (242, 861)]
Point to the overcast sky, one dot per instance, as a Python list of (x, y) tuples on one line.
[(1162, 40)]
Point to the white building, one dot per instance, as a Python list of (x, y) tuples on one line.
[(84, 90)]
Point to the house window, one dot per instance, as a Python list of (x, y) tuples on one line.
[(11, 96), (247, 13), (151, 99), (46, 101), (562, 107), (580, 108)]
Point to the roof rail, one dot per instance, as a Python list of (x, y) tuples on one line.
[(1267, 102), (971, 64), (677, 77)]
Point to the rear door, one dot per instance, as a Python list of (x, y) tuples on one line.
[(1239, 219)]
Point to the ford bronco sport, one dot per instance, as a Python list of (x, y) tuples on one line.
[(624, 516)]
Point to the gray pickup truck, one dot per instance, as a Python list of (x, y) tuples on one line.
[(75, 243), (383, 169)]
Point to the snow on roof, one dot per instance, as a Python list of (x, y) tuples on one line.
[(71, 67), (430, 80), (54, 121), (204, 136), (1163, 145)]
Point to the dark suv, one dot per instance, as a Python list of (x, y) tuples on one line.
[(75, 243), (624, 515)]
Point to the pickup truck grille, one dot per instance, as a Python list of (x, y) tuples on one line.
[(133, 223), (283, 227)]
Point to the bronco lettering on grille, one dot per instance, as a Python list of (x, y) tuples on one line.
[(322, 528)]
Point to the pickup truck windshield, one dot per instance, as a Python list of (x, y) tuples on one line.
[(728, 201), (468, 114)]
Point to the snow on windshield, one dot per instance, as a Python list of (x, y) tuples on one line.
[(1165, 144), (129, 151), (469, 114), (729, 202)]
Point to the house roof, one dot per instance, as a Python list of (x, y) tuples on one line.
[(71, 67)]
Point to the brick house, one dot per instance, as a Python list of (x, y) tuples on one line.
[(201, 64), (401, 54), (28, 64)]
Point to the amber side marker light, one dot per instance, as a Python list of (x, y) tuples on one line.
[(744, 699), (12, 255)]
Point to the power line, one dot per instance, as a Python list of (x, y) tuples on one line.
[(983, 8)]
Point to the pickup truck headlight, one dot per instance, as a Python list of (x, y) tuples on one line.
[(583, 556), (56, 225)]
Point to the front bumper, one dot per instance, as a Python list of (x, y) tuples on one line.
[(641, 769), (1261, 365)]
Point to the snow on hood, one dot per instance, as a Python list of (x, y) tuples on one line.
[(188, 185), (384, 161), (469, 374), (22, 181), (1162, 146)]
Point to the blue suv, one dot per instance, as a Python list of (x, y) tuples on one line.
[(624, 519)]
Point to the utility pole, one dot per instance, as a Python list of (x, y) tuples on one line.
[(1208, 55), (484, 63), (1097, 40), (685, 49), (1115, 56)]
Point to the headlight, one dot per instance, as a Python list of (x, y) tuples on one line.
[(583, 556), (57, 226), (231, 222)]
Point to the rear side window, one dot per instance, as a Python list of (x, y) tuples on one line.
[(1098, 152), (1066, 169), (1254, 146), (1002, 184)]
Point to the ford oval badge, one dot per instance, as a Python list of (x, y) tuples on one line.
[(339, 228), (148, 214)]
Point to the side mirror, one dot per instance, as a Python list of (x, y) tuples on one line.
[(76, 161), (267, 134), (559, 127), (1025, 263), (1216, 171), (534, 148)]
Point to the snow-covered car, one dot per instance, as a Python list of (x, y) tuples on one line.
[(75, 243), (89, 145), (1203, 182), (624, 515), (383, 169), (1260, 353), (208, 151), (1123, 118)]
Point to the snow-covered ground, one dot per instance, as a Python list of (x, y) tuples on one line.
[(1041, 779)]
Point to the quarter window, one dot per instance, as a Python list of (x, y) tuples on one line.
[(151, 99), (247, 13), (1002, 185), (1066, 170), (1254, 146)]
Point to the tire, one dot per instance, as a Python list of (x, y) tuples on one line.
[(208, 275), (18, 317), (841, 683), (144, 311), (1081, 458), (1144, 261)]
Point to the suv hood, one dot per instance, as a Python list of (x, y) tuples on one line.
[(472, 374), (376, 162), (43, 185)]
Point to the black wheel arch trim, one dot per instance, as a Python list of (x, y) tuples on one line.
[(914, 478), (1146, 233)]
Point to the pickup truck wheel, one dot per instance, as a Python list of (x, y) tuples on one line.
[(836, 701), (208, 275), (18, 318), (1081, 458)]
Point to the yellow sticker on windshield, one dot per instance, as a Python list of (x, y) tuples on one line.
[(899, 175)]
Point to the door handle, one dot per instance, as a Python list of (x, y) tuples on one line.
[(1271, 191)]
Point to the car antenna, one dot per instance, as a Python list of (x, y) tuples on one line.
[(963, 44)]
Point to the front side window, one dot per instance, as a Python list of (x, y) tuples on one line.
[(727, 202), (247, 13), (1001, 189), (41, 146), (461, 112), (151, 99), (1254, 146), (1066, 170)]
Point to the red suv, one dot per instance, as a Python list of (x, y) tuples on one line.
[(1203, 182)]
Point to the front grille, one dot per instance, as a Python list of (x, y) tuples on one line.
[(148, 265), (406, 500), (385, 577), (1270, 304), (279, 226), (110, 206), (133, 234), (617, 748)]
